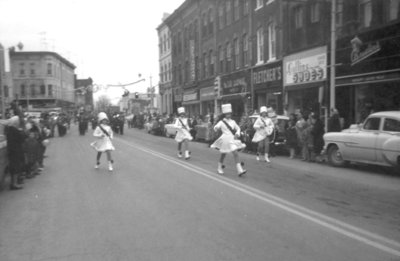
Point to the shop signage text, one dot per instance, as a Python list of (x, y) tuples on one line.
[(190, 97), (357, 55), (207, 93), (306, 67), (234, 86), (267, 75)]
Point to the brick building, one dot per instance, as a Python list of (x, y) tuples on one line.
[(42, 79)]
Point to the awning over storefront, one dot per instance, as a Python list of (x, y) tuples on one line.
[(366, 78)]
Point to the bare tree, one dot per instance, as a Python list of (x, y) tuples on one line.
[(103, 103)]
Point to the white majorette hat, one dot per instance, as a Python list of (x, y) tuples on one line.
[(181, 110), (226, 108), (263, 109), (102, 116)]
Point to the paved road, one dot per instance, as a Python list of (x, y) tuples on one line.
[(157, 207)]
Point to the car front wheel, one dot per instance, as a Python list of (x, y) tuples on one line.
[(335, 157)]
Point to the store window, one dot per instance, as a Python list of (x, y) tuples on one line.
[(372, 124), (365, 13)]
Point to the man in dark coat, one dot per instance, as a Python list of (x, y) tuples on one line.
[(334, 122), (15, 139)]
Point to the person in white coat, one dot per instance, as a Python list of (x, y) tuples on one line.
[(104, 135), (229, 140), (264, 128), (183, 133)]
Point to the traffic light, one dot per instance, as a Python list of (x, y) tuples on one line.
[(217, 86), (136, 95)]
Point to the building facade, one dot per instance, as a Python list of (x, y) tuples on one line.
[(42, 79), (165, 65), (277, 53)]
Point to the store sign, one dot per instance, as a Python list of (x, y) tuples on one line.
[(190, 96), (306, 67), (235, 83), (267, 75), (357, 55), (192, 61), (207, 93)]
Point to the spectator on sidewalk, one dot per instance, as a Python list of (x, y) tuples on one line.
[(15, 139), (318, 133), (334, 122), (291, 138)]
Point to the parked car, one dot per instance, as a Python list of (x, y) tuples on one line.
[(376, 141), (170, 130)]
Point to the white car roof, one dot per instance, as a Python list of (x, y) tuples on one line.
[(394, 114)]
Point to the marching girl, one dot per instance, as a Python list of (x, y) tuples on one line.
[(229, 140), (104, 134), (183, 133), (264, 128)]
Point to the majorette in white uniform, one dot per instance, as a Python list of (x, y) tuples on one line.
[(104, 135), (229, 140), (183, 132), (264, 128)]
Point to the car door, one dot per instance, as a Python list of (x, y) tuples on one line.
[(389, 150), (362, 145)]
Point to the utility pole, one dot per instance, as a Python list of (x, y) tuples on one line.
[(3, 106), (333, 57)]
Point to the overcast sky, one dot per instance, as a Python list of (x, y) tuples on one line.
[(111, 41)]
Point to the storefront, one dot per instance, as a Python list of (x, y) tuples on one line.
[(305, 80), (368, 77), (207, 99), (191, 102), (235, 89), (267, 86)]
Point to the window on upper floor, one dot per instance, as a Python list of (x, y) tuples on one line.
[(49, 69), (6, 91), (260, 45), (394, 10), (365, 7), (21, 69), (42, 89), (259, 4), (315, 12), (23, 90), (298, 17), (245, 44), (33, 90), (50, 90), (221, 59), (204, 26), (228, 12), (236, 10), (272, 41), (210, 22), (236, 59), (246, 7), (228, 57), (211, 58), (221, 16)]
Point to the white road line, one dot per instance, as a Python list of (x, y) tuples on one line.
[(364, 236)]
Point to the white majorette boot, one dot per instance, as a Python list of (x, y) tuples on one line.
[(187, 155), (220, 169), (179, 154), (97, 165), (110, 166), (267, 158), (240, 170), (258, 157)]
